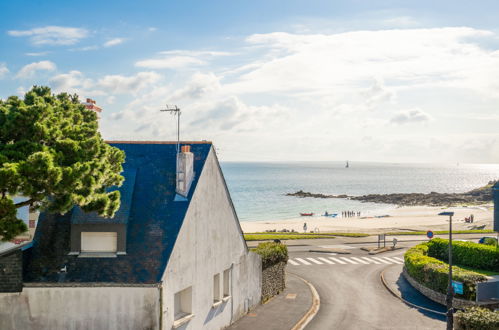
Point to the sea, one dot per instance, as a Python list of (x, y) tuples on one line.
[(258, 190)]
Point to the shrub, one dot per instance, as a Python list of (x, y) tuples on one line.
[(434, 273), (476, 318), (490, 241), (466, 253), (271, 253)]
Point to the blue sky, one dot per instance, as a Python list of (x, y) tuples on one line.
[(273, 80)]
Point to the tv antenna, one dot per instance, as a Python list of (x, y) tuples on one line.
[(174, 110)]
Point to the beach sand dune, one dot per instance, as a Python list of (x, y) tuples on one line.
[(400, 219)]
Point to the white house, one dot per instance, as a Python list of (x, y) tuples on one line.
[(172, 257)]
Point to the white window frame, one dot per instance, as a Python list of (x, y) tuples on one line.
[(227, 284)]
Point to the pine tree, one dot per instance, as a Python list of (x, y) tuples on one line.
[(53, 155)]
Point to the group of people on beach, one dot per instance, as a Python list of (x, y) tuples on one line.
[(469, 219), (350, 214)]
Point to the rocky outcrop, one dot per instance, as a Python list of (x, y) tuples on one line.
[(476, 196)]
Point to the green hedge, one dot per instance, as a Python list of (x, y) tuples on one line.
[(434, 273), (271, 253), (476, 318), (469, 254)]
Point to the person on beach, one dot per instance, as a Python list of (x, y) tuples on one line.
[(305, 227), (472, 217)]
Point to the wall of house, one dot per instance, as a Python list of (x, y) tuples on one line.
[(210, 242), (106, 308)]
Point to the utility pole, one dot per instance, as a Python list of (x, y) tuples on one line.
[(450, 290)]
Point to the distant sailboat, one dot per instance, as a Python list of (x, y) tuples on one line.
[(347, 166)]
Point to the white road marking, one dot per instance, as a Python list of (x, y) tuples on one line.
[(337, 260), (327, 261), (393, 260), (339, 246), (382, 260), (294, 263), (315, 261), (349, 260), (305, 262), (332, 254), (398, 258), (360, 260), (373, 261)]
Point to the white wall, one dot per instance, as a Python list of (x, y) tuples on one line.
[(210, 242), (62, 308)]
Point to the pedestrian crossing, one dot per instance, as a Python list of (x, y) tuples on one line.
[(309, 261)]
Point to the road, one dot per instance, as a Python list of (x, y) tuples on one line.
[(352, 294)]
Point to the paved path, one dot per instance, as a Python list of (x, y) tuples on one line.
[(281, 312), (352, 294)]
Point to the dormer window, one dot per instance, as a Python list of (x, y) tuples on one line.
[(92, 242)]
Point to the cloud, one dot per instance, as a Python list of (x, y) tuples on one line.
[(37, 53), (377, 94), (175, 59), (52, 35), (410, 116), (114, 42), (29, 70), (76, 82), (171, 62), (198, 86), (3, 70), (127, 84)]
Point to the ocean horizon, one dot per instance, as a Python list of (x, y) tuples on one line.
[(258, 189)]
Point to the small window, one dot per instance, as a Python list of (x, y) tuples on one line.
[(216, 288), (99, 241), (183, 303), (226, 283)]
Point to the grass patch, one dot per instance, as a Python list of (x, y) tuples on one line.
[(269, 237), (277, 235), (441, 232)]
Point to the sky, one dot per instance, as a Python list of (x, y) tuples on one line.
[(384, 81)]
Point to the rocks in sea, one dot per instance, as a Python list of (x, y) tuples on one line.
[(476, 196)]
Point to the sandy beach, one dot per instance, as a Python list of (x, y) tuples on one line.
[(399, 219)]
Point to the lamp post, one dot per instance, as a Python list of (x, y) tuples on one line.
[(450, 293)]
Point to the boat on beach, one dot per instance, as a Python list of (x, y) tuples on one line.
[(307, 214)]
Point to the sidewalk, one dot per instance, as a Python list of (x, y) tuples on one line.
[(399, 285), (282, 311)]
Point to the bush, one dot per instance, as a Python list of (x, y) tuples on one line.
[(469, 254), (271, 253), (490, 241), (434, 273), (476, 318)]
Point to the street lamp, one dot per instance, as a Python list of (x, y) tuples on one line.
[(448, 300)]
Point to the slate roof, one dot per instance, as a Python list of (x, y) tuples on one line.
[(148, 209)]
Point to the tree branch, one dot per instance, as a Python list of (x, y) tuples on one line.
[(21, 204)]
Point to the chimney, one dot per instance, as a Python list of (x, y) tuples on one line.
[(185, 170), (90, 105)]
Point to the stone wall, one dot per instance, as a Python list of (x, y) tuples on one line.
[(273, 280), (440, 297), (11, 268)]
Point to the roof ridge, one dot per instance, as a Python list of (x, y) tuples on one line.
[(157, 142)]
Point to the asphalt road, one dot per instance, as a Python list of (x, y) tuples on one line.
[(352, 294)]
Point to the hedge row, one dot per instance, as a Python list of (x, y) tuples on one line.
[(434, 273), (476, 318), (469, 254), (272, 253)]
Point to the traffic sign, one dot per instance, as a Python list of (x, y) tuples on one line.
[(429, 234), (457, 287)]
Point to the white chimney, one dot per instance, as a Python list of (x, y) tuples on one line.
[(185, 170)]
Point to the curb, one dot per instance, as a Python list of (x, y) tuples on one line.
[(313, 310), (402, 299)]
